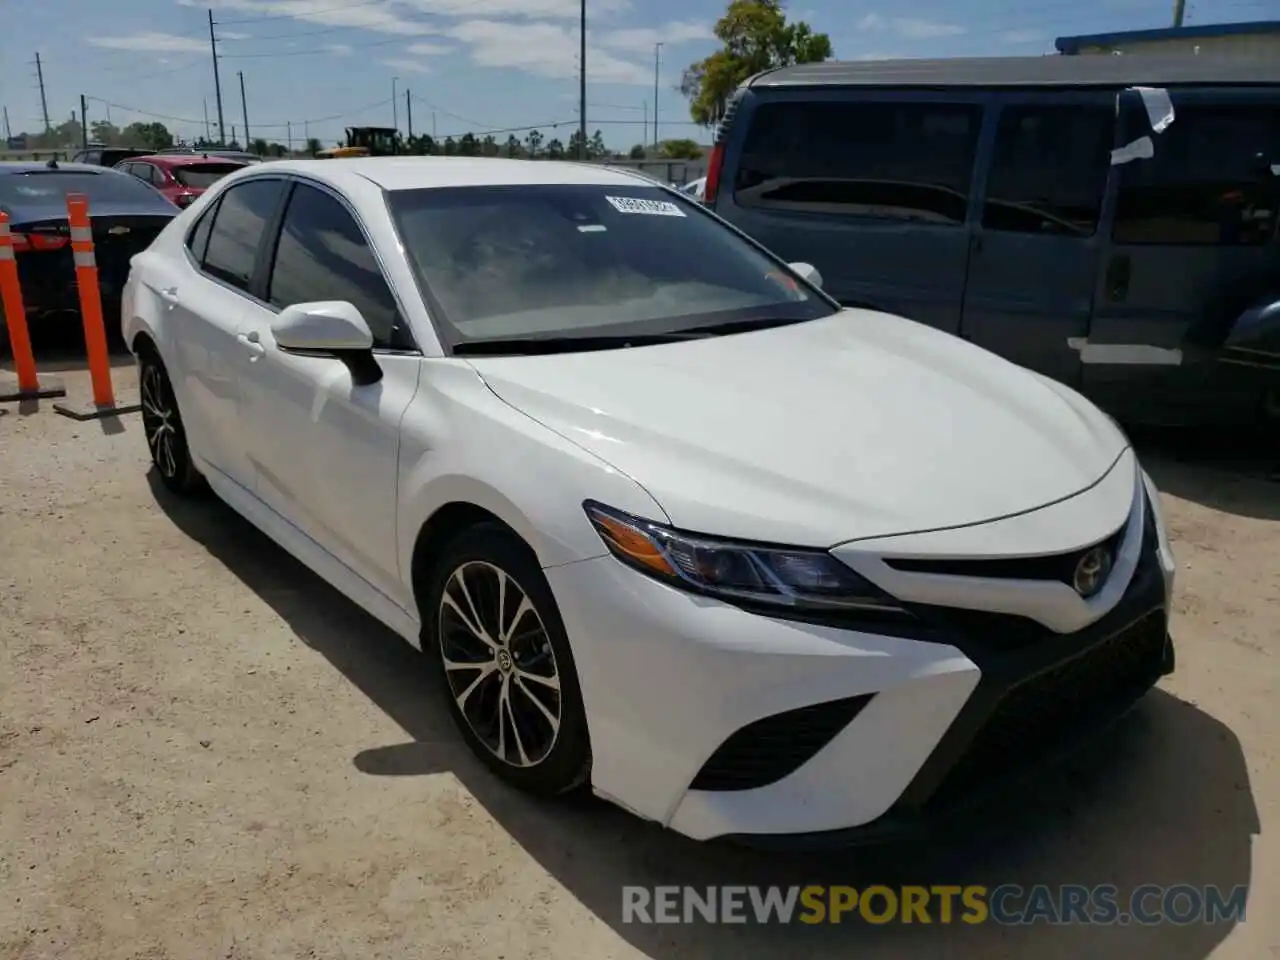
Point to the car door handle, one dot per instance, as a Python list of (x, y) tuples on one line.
[(170, 296), (253, 342)]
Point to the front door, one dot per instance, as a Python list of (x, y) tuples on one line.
[(326, 448), (1194, 239), (1036, 247), (872, 189)]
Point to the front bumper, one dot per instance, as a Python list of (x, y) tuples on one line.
[(719, 723)]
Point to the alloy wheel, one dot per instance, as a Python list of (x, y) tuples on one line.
[(159, 419), (499, 662)]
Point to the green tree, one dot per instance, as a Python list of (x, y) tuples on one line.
[(259, 146), (683, 149), (468, 145), (100, 131), (754, 36), (313, 146), (489, 146), (153, 135), (555, 149), (596, 148), (637, 152), (533, 141), (450, 148), (514, 148)]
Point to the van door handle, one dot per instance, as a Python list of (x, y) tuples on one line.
[(170, 296), (1119, 270)]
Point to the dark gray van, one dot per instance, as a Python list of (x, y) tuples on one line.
[(1110, 221)]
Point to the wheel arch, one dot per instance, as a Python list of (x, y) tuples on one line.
[(442, 526)]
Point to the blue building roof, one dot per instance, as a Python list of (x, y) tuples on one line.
[(1072, 45)]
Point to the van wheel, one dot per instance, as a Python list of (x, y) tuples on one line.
[(491, 625), (162, 424)]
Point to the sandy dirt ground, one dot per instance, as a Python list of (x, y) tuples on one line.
[(205, 752)]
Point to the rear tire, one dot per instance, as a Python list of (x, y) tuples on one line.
[(162, 424), (492, 629)]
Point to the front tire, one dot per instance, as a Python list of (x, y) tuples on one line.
[(491, 625), (162, 424)]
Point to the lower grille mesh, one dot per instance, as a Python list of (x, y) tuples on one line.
[(774, 747), (1048, 708)]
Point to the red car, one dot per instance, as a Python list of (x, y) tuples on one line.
[(180, 177)]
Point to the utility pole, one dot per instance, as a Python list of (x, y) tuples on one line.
[(208, 134), (582, 84), (1179, 12), (395, 119), (645, 128), (433, 124), (244, 110), (288, 134), (657, 65), (217, 83), (408, 112), (8, 134), (44, 103), (233, 134), (84, 125)]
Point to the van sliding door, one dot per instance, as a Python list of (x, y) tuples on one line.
[(1036, 246)]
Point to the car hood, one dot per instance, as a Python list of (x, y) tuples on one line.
[(860, 425)]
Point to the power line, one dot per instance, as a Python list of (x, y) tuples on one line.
[(352, 4), (305, 53), (268, 126)]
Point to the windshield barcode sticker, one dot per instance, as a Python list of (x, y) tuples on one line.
[(652, 208)]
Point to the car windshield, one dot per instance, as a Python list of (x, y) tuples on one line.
[(564, 261), (43, 187), (201, 176)]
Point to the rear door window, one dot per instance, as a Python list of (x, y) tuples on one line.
[(1209, 182), (882, 160), (1049, 170), (201, 176), (239, 231)]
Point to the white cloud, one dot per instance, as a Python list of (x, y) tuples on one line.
[(1022, 36), (152, 41), (430, 49), (545, 49), (232, 35), (341, 49), (405, 16), (909, 28), (406, 65), (642, 39)]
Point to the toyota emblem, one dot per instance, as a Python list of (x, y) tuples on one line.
[(1091, 572)]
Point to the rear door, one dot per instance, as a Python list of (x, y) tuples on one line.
[(1194, 237), (1036, 245), (210, 305), (871, 188)]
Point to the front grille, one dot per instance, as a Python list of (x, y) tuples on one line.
[(1050, 708), (1059, 566), (765, 751)]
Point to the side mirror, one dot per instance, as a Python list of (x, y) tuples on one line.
[(808, 272), (329, 328)]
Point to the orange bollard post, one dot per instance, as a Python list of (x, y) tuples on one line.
[(14, 320), (95, 330)]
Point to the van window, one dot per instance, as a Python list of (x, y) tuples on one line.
[(1049, 169), (896, 161), (1207, 183)]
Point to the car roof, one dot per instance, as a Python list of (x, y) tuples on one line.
[(183, 159), (36, 166), (1087, 70), (409, 173)]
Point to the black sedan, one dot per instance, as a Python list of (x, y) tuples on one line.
[(126, 215)]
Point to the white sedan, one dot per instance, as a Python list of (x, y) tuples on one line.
[(669, 521)]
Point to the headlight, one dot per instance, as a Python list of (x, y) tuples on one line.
[(780, 577)]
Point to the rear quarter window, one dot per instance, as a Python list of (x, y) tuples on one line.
[(878, 160)]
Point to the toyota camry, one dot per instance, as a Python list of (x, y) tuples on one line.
[(670, 523)]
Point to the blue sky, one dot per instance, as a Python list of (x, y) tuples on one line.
[(472, 64)]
